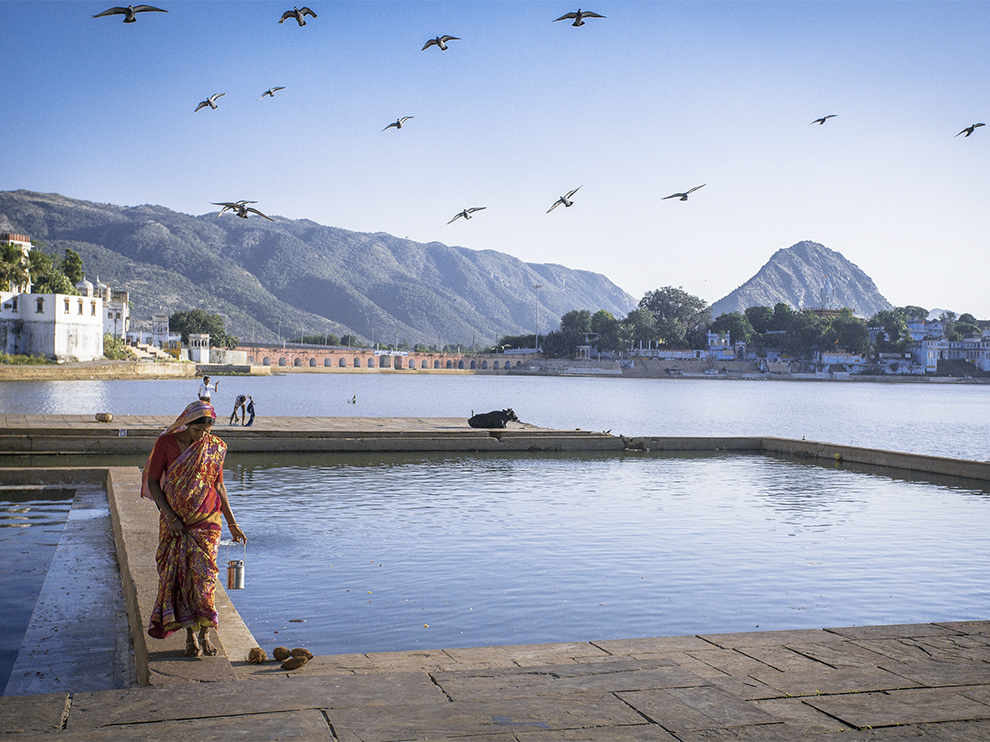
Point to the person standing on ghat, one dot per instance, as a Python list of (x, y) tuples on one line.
[(204, 389), (184, 478)]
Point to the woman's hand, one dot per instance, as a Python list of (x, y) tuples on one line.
[(175, 525), (237, 533)]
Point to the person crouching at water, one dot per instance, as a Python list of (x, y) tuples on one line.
[(204, 389), (250, 411), (238, 405), (184, 478)]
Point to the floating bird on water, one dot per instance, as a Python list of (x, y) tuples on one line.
[(578, 17), (398, 123), (440, 41), (211, 101), (823, 119), (352, 400), (299, 14), (240, 208), (970, 129), (271, 92), (129, 12), (683, 196), (467, 213), (564, 200)]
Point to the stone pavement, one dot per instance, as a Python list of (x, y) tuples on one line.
[(924, 681)]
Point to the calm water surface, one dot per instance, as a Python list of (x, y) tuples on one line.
[(381, 553), (386, 552), (940, 419)]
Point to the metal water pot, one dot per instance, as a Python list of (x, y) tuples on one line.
[(235, 570)]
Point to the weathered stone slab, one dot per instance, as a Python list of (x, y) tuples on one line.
[(171, 667), (653, 646), (944, 674), (970, 731), (769, 638), (231, 699), (22, 714), (462, 719), (692, 709), (745, 688), (420, 661), (730, 662), (916, 706), (967, 627), (833, 680), (800, 715), (895, 631), (842, 654), (782, 658), (308, 725), (636, 733), (529, 654), (946, 648), (516, 684)]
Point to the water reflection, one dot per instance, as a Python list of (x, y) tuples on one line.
[(491, 550)]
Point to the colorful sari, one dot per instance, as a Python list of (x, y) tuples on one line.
[(187, 564)]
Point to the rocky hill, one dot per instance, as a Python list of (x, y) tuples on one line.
[(807, 276), (293, 277)]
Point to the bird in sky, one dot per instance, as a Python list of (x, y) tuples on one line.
[(211, 102), (564, 200), (823, 119), (970, 129), (467, 213), (240, 208), (683, 196), (398, 123), (129, 12), (271, 92), (440, 41), (578, 16), (299, 14)]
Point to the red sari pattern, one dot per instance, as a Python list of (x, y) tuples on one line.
[(187, 564)]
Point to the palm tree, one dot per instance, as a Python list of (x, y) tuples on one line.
[(13, 268)]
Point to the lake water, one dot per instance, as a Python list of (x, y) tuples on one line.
[(939, 419), (380, 552)]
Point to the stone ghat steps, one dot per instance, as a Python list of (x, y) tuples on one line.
[(136, 434)]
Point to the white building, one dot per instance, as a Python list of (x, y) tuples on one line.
[(117, 314), (930, 351), (55, 326)]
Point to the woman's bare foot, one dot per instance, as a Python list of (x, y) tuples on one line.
[(209, 649), (192, 648)]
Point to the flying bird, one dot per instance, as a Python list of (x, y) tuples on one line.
[(683, 196), (211, 102), (564, 200), (578, 17), (398, 124), (823, 119), (271, 92), (970, 129), (129, 12), (467, 213), (240, 208), (299, 14), (440, 41)]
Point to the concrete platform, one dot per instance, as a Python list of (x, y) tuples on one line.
[(927, 681)]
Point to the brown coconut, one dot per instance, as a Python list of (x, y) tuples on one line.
[(302, 652), (281, 653), (257, 655), (294, 663)]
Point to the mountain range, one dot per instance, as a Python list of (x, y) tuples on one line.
[(807, 275), (292, 277)]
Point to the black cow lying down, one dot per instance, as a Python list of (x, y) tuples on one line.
[(493, 419)]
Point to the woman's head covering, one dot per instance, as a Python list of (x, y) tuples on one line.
[(193, 412)]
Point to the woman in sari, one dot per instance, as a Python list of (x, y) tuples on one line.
[(184, 477)]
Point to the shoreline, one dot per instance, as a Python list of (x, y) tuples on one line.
[(136, 370)]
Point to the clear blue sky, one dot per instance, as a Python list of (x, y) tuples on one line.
[(656, 98)]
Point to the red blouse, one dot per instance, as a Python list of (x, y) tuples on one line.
[(165, 452)]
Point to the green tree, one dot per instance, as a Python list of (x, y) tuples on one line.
[(609, 331), (198, 321), (913, 312), (893, 336), (13, 267), (679, 316), (641, 326), (115, 349), (72, 266), (759, 318), (736, 324), (845, 331), (576, 321)]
